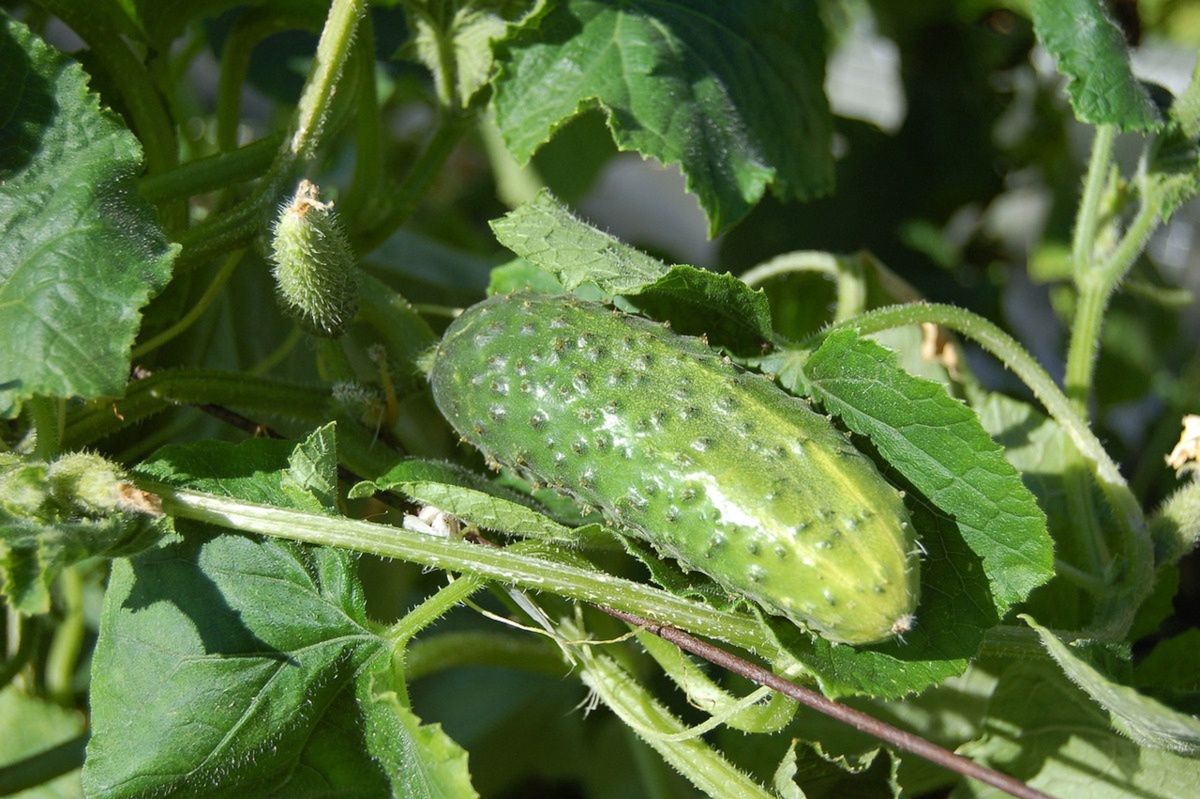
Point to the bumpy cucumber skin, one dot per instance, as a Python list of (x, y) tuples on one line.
[(712, 465)]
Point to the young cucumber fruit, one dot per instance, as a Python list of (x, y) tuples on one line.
[(714, 466)]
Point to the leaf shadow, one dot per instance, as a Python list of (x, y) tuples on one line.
[(30, 106), (173, 573)]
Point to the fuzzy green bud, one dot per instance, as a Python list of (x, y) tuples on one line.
[(314, 264), (85, 483)]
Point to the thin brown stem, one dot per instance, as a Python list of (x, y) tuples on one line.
[(900, 739)]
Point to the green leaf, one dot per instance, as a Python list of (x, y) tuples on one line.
[(518, 275), (80, 251), (1143, 719), (468, 496), (807, 771), (1043, 730), (1091, 52), (261, 639), (546, 234), (1174, 168), (267, 644), (312, 470), (1043, 453), (424, 761), (1169, 671), (939, 446), (733, 93), (687, 296), (468, 30)]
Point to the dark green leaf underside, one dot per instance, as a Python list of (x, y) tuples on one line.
[(732, 92)]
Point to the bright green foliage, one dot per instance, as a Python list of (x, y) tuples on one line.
[(937, 443), (260, 701), (80, 252), (545, 233), (716, 468), (717, 88), (1091, 52), (314, 264)]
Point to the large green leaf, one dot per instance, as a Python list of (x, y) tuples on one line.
[(268, 647), (547, 235), (1091, 52), (1145, 720), (939, 446), (1043, 730), (732, 92), (80, 252)]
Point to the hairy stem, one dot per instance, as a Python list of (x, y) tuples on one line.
[(503, 565), (67, 643), (213, 172), (157, 392), (900, 739), (332, 51), (1096, 287), (703, 766), (1087, 220)]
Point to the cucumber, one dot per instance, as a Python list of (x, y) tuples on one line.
[(712, 465)]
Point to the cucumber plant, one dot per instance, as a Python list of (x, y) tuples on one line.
[(246, 426)]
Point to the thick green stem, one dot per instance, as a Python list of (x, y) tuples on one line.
[(239, 225), (1087, 221), (503, 565), (213, 172), (259, 395), (1096, 287), (332, 51), (67, 643), (432, 609)]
